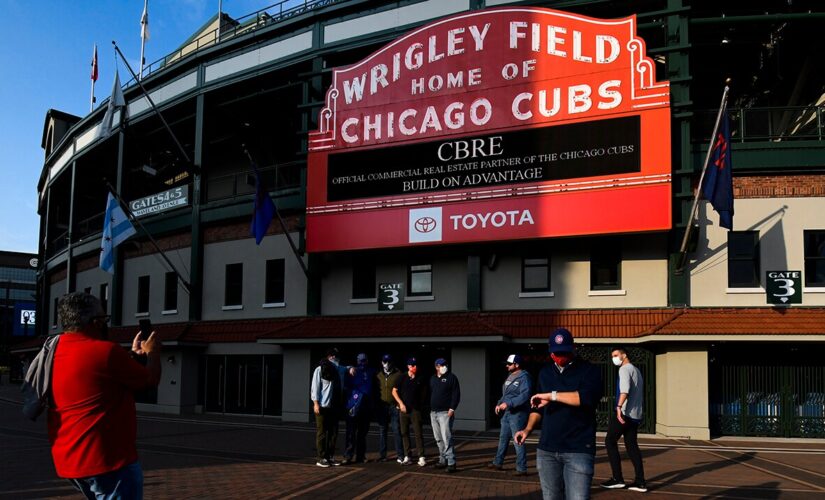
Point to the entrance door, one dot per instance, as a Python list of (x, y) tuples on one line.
[(244, 383), (214, 385), (273, 384)]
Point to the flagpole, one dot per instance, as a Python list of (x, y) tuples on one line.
[(155, 108), (143, 37), (683, 250), (131, 216), (94, 79), (283, 224), (92, 100)]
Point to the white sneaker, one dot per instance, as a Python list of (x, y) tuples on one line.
[(422, 461), (400, 460), (406, 461)]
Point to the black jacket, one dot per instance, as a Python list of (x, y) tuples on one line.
[(445, 392)]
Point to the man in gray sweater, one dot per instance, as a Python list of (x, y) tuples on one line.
[(625, 422)]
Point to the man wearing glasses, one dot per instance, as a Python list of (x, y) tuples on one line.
[(92, 421)]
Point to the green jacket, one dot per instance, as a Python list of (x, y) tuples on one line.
[(386, 384)]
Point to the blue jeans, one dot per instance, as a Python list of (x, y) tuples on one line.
[(565, 475), (443, 433), (510, 424), (125, 483), (388, 422)]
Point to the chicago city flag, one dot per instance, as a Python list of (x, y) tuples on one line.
[(116, 229), (718, 185)]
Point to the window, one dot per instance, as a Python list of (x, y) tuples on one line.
[(363, 279), (606, 265), (233, 293), (104, 297), (143, 294), (274, 281), (420, 280), (743, 259), (54, 316), (814, 258), (535, 274), (170, 292)]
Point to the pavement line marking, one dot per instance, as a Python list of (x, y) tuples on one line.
[(380, 486), (800, 469), (321, 484), (762, 469)]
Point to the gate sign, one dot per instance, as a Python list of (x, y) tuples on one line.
[(501, 124), (784, 287), (391, 297)]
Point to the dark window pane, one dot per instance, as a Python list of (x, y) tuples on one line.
[(233, 294), (170, 295), (88, 290), (605, 266), (104, 297), (535, 275), (143, 294), (743, 259), (814, 258), (363, 280), (274, 281), (420, 280), (54, 318)]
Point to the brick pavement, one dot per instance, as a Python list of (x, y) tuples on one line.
[(216, 457)]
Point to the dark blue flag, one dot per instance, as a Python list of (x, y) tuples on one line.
[(718, 185), (264, 210)]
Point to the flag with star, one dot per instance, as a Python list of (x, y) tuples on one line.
[(116, 229)]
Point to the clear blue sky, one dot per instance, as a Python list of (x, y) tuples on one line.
[(45, 63)]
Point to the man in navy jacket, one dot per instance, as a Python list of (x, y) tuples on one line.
[(514, 408), (445, 394), (569, 391)]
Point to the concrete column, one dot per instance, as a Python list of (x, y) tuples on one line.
[(469, 364), (682, 393), (295, 404)]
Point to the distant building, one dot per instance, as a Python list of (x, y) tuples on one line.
[(18, 284), (460, 177)]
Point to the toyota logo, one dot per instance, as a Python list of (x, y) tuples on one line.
[(425, 224)]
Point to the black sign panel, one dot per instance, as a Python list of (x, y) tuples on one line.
[(784, 287), (589, 149), (391, 297)]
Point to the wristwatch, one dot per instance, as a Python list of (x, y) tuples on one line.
[(554, 395)]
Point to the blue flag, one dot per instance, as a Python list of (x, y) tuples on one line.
[(116, 229), (718, 185), (264, 210)]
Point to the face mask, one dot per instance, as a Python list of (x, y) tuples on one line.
[(334, 360), (385, 365), (562, 359), (412, 369), (442, 370), (617, 361)]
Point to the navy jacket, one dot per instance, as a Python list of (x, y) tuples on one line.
[(445, 392), (565, 428)]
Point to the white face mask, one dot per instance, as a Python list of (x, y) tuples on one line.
[(442, 370), (617, 361), (385, 364)]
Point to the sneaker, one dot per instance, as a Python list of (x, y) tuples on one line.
[(400, 460), (520, 473), (346, 461), (323, 463), (406, 461), (639, 486), (440, 465), (334, 462), (612, 484), (451, 468), (422, 461), (493, 465)]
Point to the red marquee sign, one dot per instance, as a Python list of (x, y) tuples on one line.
[(497, 124)]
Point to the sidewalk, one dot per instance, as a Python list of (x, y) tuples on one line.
[(232, 457)]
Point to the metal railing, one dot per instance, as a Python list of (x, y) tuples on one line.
[(775, 124), (275, 177), (262, 18)]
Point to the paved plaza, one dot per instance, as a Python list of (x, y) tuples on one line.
[(236, 457)]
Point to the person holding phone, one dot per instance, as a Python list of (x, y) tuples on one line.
[(92, 422), (569, 391)]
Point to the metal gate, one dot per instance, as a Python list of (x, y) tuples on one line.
[(644, 360), (771, 399)]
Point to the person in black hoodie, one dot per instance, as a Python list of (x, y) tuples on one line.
[(445, 395)]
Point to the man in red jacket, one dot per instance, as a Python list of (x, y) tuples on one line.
[(92, 421)]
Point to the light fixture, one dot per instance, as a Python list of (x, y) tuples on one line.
[(149, 170)]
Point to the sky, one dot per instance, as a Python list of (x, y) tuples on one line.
[(45, 63)]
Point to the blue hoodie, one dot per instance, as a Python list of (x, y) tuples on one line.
[(516, 393)]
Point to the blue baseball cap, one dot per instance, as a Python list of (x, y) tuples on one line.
[(361, 358), (441, 362), (514, 359), (412, 362), (386, 358), (561, 340)]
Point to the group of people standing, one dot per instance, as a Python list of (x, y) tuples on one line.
[(396, 399), (565, 400)]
